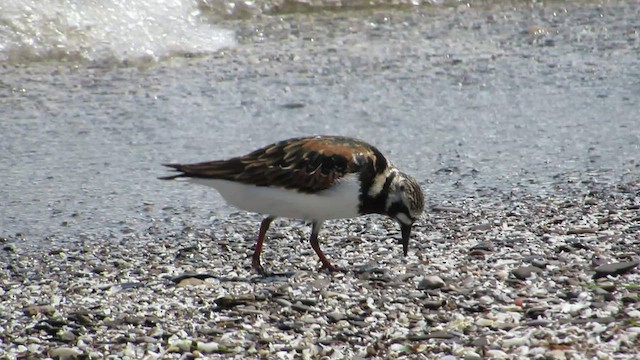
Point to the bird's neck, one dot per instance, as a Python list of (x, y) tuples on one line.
[(374, 192)]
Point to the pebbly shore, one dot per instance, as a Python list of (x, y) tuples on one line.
[(502, 277)]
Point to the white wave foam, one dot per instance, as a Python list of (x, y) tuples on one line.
[(104, 30)]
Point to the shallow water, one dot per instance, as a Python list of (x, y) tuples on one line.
[(473, 100)]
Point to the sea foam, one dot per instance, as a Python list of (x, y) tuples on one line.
[(105, 30)]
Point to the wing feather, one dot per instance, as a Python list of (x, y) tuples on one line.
[(306, 164)]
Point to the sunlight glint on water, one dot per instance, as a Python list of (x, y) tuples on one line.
[(96, 30)]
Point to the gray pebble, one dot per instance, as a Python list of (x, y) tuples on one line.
[(431, 282), (613, 269), (525, 272)]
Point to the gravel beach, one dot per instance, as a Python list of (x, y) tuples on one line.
[(502, 277), (518, 118)]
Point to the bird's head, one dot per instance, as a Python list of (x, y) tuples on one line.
[(405, 204)]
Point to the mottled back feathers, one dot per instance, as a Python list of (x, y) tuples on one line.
[(307, 164)]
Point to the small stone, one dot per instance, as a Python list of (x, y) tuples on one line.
[(515, 342), (480, 227), (538, 322), (485, 246), (613, 269), (496, 354), (480, 342), (289, 325), (431, 282), (598, 260), (472, 355), (439, 334), (99, 269), (556, 355), (68, 336), (65, 353), (478, 253), (434, 304), (34, 310), (190, 282), (581, 230), (525, 272), (336, 316), (229, 301), (145, 339), (539, 263), (133, 320), (208, 347), (304, 308)]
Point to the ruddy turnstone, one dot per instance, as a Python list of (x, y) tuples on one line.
[(313, 178)]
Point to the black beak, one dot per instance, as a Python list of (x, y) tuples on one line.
[(406, 233)]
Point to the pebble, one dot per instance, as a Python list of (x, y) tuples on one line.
[(431, 282), (192, 281), (482, 310), (34, 310), (614, 269), (525, 272), (65, 353)]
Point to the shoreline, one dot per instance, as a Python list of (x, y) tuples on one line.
[(487, 277)]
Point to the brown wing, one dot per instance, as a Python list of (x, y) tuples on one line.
[(306, 164)]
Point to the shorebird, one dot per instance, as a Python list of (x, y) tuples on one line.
[(314, 178)]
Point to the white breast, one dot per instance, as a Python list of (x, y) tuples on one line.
[(340, 201)]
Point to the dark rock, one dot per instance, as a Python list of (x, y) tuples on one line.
[(538, 322), (178, 279), (525, 272), (229, 301), (303, 308), (434, 304), (564, 248), (478, 253), (535, 312), (539, 263), (580, 245), (290, 325), (82, 317), (99, 269), (614, 269), (485, 246)]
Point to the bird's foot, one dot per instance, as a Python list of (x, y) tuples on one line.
[(330, 268), (257, 267)]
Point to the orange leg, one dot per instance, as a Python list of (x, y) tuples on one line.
[(255, 263), (316, 246)]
